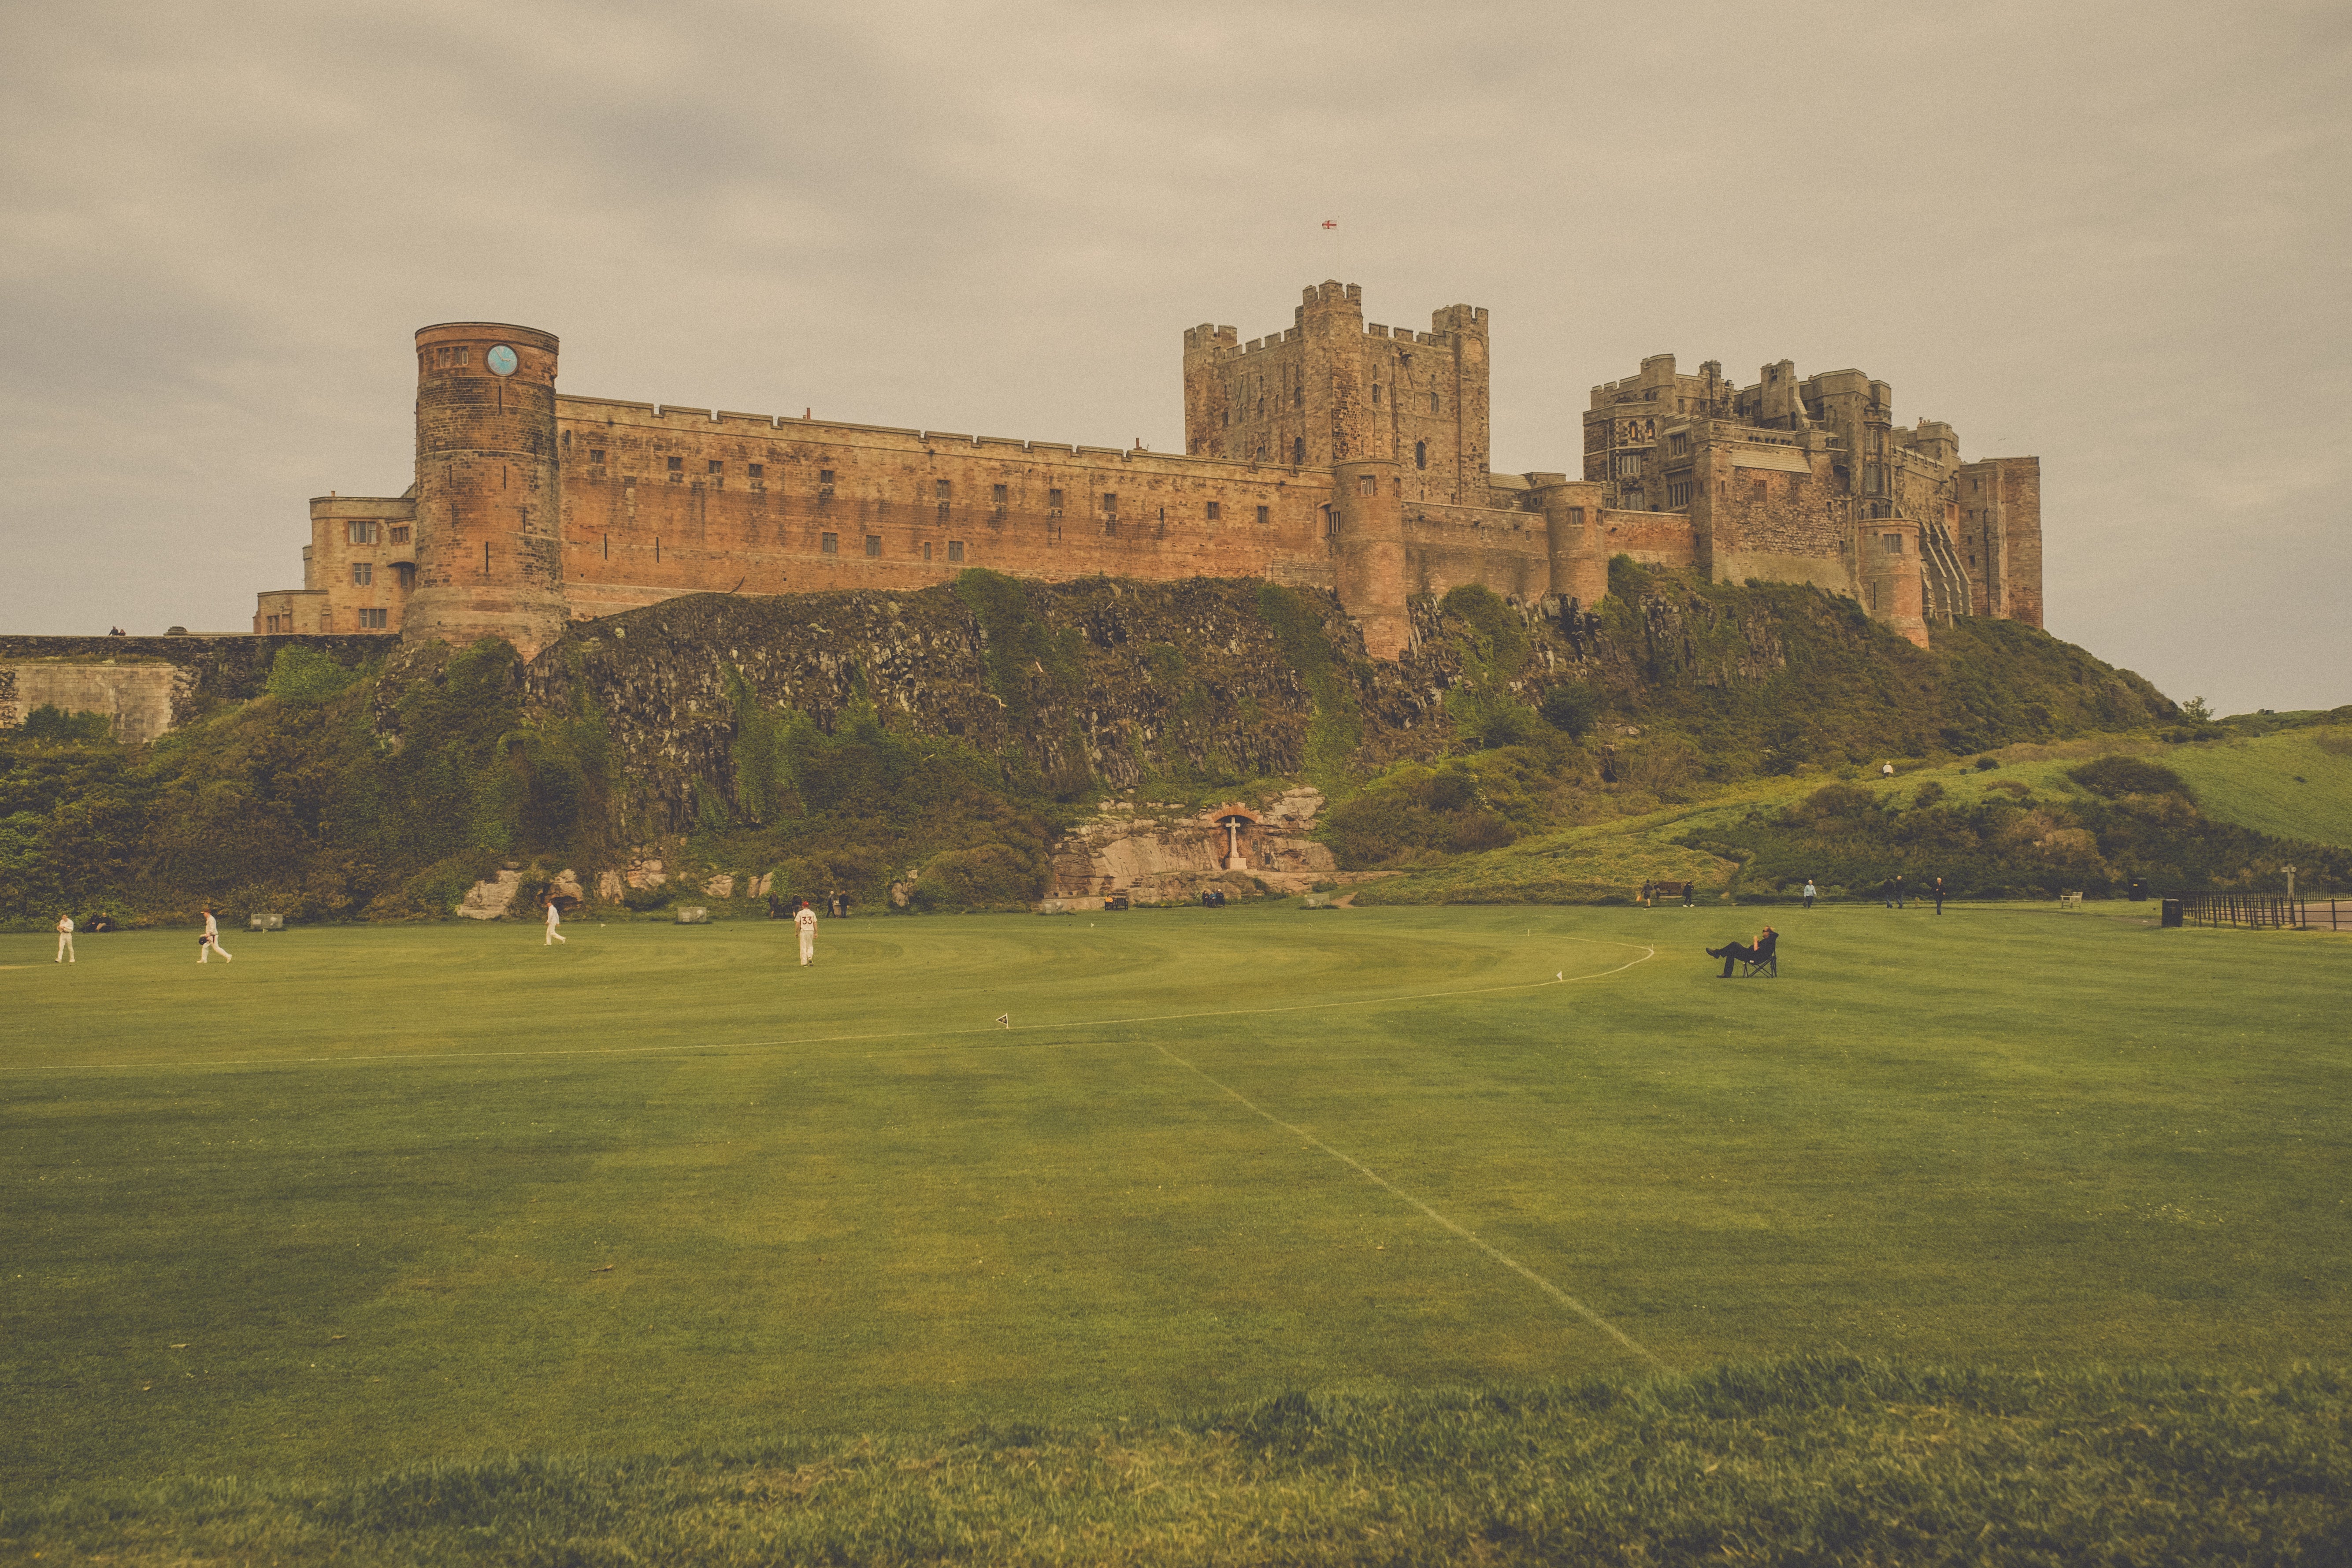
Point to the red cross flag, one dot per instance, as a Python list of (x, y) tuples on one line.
[(1330, 223)]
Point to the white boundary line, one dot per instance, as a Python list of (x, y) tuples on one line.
[(1513, 1264), (729, 1045)]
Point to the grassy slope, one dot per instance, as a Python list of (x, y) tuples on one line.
[(843, 1200), (2297, 784), (2250, 782)]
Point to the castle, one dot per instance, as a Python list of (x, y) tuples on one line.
[(1332, 454)]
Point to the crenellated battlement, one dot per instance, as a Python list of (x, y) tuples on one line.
[(1334, 452)]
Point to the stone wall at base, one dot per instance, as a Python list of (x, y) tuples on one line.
[(149, 686)]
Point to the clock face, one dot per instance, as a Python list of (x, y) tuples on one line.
[(501, 360)]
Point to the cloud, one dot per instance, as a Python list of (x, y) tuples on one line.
[(2107, 235)]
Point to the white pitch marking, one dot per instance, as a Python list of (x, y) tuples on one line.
[(1505, 1259)]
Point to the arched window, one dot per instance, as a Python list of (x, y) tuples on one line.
[(1297, 450), (1421, 454)]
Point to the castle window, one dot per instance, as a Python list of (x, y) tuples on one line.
[(465, 356), (1216, 511), (927, 550), (1432, 403), (1376, 394), (873, 544), (1265, 516), (1000, 494), (596, 455), (362, 574), (272, 623), (758, 471), (1298, 397), (677, 470), (828, 543), (942, 490), (1110, 501), (1760, 492), (372, 620), (825, 477), (1893, 542), (1297, 450), (359, 533), (567, 440), (1323, 521), (955, 549), (717, 467), (1679, 445), (1421, 454), (1679, 495), (1576, 517), (1052, 500), (1366, 485), (1111, 522)]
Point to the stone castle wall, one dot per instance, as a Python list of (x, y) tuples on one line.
[(1335, 454)]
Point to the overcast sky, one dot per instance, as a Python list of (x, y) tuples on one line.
[(2114, 235)]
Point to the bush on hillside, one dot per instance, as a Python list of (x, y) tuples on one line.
[(2116, 776), (1572, 710), (53, 723)]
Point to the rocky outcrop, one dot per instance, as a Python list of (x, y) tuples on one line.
[(492, 898), (1100, 684), (1155, 853)]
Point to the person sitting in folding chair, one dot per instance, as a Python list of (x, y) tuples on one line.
[(1759, 956)]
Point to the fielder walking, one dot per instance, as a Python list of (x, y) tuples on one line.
[(553, 920), (65, 938), (806, 922), (209, 943)]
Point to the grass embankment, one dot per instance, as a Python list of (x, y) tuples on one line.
[(349, 1203), (1817, 1460), (2294, 786)]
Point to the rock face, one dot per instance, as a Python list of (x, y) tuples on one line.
[(1159, 854), (490, 900)]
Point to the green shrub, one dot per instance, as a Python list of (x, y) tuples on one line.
[(1572, 710), (2114, 776), (50, 722), (305, 676)]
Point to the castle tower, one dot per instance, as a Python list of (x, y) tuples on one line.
[(1333, 388), (1368, 542), (488, 498), (1580, 560)]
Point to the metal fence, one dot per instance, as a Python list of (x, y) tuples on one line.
[(2263, 912)]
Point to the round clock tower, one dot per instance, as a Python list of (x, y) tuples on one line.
[(489, 513)]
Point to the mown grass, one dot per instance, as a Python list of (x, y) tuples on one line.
[(369, 1200), (1812, 1460)]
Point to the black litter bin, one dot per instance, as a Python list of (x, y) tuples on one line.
[(2138, 890), (2171, 911)]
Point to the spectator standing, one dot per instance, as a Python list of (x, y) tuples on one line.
[(1939, 895), (1809, 892)]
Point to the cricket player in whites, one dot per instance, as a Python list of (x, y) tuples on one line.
[(806, 922), (553, 920), (65, 939), (209, 943)]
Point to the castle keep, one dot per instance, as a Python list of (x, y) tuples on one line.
[(1333, 453)]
